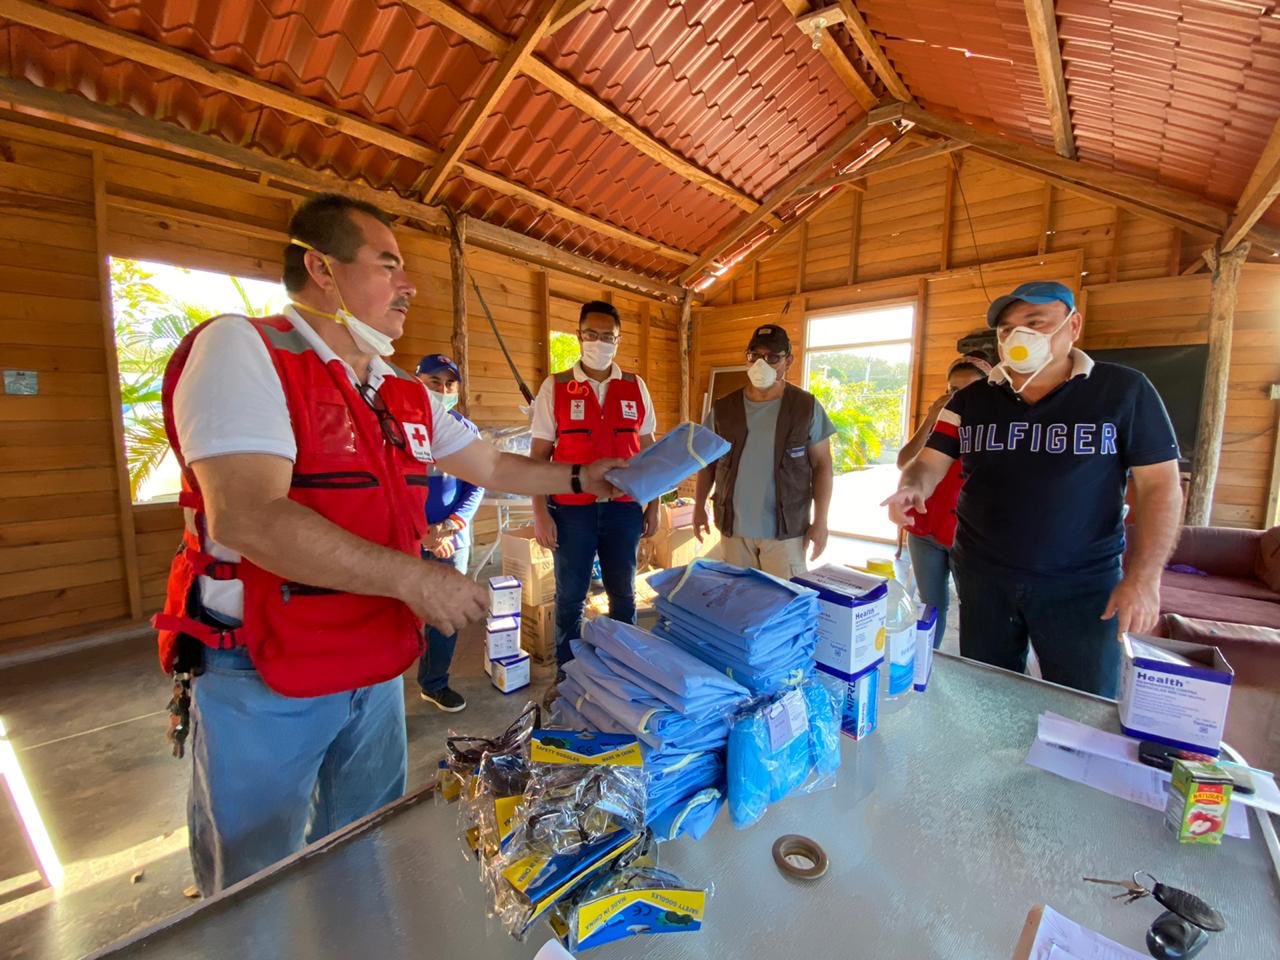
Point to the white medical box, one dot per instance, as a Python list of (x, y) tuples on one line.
[(927, 627), (1174, 692), (851, 615), (510, 673), (502, 637), (504, 596)]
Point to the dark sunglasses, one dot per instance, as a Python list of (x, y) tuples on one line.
[(772, 359), (392, 432)]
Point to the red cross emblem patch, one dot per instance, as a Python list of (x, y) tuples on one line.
[(419, 441)]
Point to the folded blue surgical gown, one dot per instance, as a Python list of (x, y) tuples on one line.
[(737, 602), (669, 462)]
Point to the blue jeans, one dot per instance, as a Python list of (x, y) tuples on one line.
[(271, 773), (931, 564), (433, 665), (1000, 612), (611, 530)]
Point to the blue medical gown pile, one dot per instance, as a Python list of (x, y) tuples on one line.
[(623, 679), (752, 627)]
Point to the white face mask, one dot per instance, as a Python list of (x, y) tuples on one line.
[(1028, 351), (366, 338), (446, 400), (597, 354), (761, 375)]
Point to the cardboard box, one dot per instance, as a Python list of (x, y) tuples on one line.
[(538, 631), (504, 596), (1174, 692), (860, 712), (927, 627), (851, 618), (678, 547), (502, 637), (510, 673), (677, 514), (533, 565)]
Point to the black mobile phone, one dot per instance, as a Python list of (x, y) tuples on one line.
[(1161, 756)]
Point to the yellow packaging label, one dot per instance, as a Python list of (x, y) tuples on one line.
[(450, 785), (594, 914), (504, 814), (628, 756)]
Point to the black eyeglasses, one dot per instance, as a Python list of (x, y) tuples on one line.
[(392, 432), (772, 359)]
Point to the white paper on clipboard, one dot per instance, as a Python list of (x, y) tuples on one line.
[(1048, 935)]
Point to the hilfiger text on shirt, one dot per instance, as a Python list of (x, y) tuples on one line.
[(1075, 439)]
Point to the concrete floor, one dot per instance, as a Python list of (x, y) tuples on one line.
[(89, 732)]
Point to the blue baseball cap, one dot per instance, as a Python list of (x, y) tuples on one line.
[(1039, 291), (435, 362)]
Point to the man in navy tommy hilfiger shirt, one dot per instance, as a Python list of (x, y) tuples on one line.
[(1048, 444)]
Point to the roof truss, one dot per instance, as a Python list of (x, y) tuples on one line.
[(1042, 19)]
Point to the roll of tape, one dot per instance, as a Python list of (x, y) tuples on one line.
[(794, 845)]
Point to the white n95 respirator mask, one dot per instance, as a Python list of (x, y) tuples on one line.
[(761, 375), (366, 337), (1028, 351)]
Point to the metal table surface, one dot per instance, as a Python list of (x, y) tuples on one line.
[(940, 839)]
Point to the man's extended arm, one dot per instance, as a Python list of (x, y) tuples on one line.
[(1157, 513), (701, 490), (487, 467), (823, 482), (918, 481), (246, 498)]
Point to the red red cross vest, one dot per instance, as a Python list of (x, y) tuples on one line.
[(307, 641), (585, 433)]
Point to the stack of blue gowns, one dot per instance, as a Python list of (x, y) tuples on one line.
[(753, 627), (623, 679)]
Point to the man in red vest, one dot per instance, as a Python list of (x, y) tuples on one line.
[(299, 597), (592, 410)]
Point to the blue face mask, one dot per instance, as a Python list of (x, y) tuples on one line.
[(446, 400)]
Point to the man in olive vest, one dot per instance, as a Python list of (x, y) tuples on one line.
[(773, 489)]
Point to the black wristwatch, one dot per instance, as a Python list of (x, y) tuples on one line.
[(575, 478)]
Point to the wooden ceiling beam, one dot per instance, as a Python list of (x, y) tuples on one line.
[(490, 40), (118, 126), (884, 165), (839, 60), (779, 195), (1179, 208), (569, 11), (486, 100), (871, 49), (1042, 19), (1258, 194), (190, 67)]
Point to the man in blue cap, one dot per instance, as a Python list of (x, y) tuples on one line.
[(1049, 443), (451, 503)]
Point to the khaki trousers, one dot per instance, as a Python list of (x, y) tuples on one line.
[(782, 558)]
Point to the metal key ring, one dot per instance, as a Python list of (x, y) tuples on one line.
[(793, 844)]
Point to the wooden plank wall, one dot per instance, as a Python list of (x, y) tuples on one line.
[(64, 525), (896, 241)]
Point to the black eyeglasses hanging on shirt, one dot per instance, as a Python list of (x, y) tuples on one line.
[(392, 432)]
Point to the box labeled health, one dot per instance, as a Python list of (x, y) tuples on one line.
[(504, 596), (851, 615), (927, 627), (1174, 692), (502, 637), (859, 714), (510, 673)]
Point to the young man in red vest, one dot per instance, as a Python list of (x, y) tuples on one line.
[(299, 598), (592, 410)]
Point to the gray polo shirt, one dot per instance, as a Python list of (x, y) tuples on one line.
[(755, 501)]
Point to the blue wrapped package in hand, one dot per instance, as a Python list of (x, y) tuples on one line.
[(669, 462)]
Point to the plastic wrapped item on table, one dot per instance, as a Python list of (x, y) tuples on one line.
[(784, 745), (509, 439), (664, 465), (788, 669), (581, 786), (759, 650), (686, 678), (739, 604), (692, 815), (673, 777), (627, 902), (596, 707)]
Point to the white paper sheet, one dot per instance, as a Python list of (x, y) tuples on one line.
[(1135, 782), (1078, 736), (1060, 938)]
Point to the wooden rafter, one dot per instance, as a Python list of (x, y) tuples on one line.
[(839, 60), (125, 126), (886, 164), (569, 11), (779, 195), (190, 67), (486, 99), (490, 40), (871, 49), (1259, 192), (1190, 213), (1042, 20)]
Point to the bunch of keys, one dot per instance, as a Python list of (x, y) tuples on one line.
[(1182, 931)]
